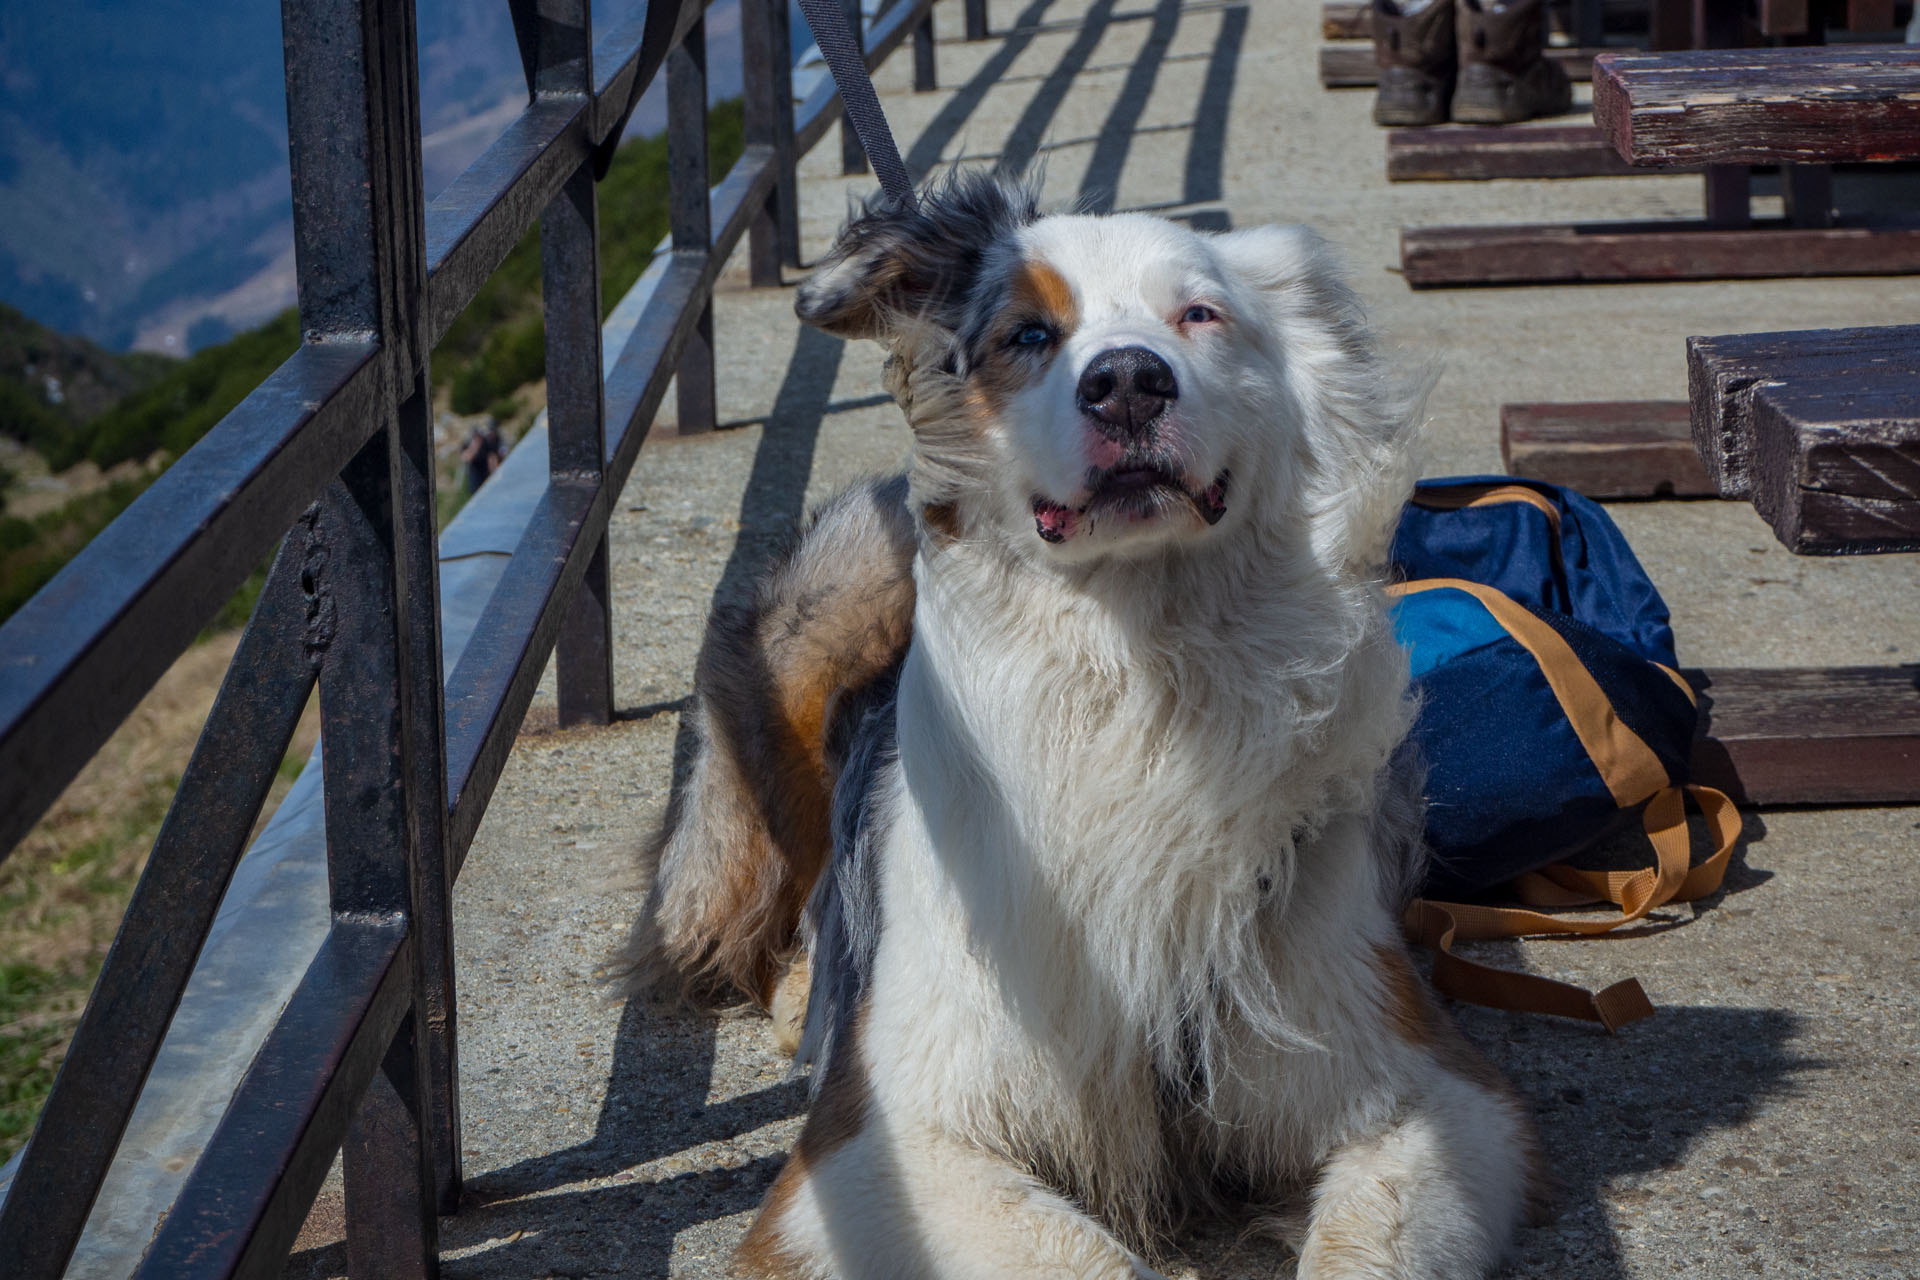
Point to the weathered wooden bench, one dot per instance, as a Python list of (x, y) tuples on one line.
[(1606, 449), (1724, 372), (1819, 429), (1475, 153), (1809, 735)]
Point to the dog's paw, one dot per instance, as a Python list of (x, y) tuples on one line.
[(790, 1004)]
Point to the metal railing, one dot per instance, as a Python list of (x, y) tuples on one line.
[(332, 458)]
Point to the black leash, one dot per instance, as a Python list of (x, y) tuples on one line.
[(849, 67)]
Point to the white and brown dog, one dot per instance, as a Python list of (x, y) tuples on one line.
[(1069, 758)]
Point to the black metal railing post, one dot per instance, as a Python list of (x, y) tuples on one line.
[(354, 132), (774, 238), (976, 11), (557, 43), (365, 710), (925, 79), (690, 215), (435, 1012)]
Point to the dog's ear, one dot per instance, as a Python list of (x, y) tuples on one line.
[(893, 265), (1361, 413)]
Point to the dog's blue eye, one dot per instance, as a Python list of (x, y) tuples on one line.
[(1032, 335), (1197, 314)]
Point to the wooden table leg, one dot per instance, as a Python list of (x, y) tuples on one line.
[(1671, 25), (1808, 189), (1728, 191)]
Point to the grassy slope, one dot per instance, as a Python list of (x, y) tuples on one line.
[(63, 890)]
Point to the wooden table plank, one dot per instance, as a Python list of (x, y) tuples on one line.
[(1605, 449), (1816, 735), (1723, 371), (1659, 250), (1347, 20), (1818, 104)]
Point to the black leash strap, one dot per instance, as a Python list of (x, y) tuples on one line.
[(849, 67)]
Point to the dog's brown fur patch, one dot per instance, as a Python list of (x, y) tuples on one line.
[(837, 1114), (1036, 293), (1037, 286), (943, 518), (768, 680), (1408, 1004), (1418, 1021)]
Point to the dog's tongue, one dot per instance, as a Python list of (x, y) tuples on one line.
[(1053, 522)]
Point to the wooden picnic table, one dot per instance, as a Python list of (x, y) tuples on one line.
[(1820, 104), (1819, 429), (1780, 88)]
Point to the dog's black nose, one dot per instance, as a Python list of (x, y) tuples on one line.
[(1125, 389)]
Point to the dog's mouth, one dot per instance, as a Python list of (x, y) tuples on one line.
[(1131, 493)]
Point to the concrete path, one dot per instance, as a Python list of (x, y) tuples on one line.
[(1766, 1123)]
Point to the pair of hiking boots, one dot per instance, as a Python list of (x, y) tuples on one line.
[(1474, 61)]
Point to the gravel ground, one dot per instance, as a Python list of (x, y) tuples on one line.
[(1764, 1124)]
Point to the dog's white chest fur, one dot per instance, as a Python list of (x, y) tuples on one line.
[(1093, 860)]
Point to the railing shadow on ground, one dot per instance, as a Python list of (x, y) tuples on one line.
[(1613, 1108)]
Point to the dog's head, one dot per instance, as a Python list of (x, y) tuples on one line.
[(1084, 388)]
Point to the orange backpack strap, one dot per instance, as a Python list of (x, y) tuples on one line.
[(1438, 924), (1432, 925)]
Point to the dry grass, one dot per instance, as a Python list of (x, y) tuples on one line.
[(63, 890)]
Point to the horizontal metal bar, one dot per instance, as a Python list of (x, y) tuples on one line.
[(739, 197), (173, 906), (638, 377), (473, 224), (821, 110), (490, 689), (244, 1204), (478, 219), (77, 658)]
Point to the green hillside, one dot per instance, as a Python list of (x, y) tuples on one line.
[(162, 406), (51, 383)]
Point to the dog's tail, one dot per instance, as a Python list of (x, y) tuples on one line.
[(746, 831)]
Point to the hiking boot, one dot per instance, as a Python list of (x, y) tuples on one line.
[(1504, 74), (1413, 43)]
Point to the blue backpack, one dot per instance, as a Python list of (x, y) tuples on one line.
[(1552, 715)]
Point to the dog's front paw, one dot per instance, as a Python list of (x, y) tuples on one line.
[(789, 1009)]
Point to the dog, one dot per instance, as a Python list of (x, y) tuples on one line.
[(1061, 780)]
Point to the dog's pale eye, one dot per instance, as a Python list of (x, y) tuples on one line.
[(1199, 314), (1032, 335)]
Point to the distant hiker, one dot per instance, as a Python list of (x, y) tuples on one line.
[(482, 454)]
